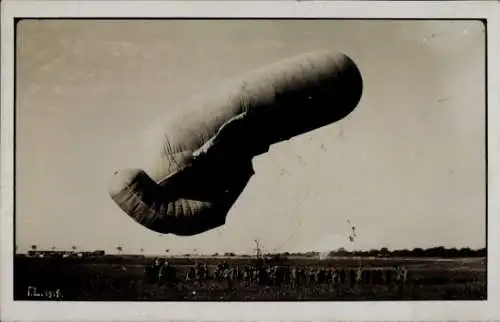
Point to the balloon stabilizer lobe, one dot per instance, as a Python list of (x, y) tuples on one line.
[(203, 157)]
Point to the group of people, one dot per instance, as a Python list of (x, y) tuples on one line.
[(250, 275)]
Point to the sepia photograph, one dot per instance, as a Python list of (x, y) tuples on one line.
[(250, 159)]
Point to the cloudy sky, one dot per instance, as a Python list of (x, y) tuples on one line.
[(407, 167)]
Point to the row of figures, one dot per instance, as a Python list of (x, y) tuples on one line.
[(274, 275)]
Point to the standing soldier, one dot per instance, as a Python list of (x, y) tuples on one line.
[(359, 278), (293, 277), (157, 267), (402, 274)]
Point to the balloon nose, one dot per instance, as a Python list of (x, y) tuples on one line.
[(121, 179)]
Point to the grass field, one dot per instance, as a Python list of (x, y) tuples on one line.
[(122, 278)]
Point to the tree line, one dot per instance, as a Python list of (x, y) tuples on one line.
[(438, 252), (441, 252)]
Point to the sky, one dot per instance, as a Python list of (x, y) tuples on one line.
[(407, 167)]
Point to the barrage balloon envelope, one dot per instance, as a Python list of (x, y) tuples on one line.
[(202, 157)]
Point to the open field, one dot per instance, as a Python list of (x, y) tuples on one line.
[(120, 278)]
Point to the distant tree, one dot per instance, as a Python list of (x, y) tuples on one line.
[(384, 252), (167, 250), (453, 252), (440, 251), (141, 250), (311, 254), (358, 253), (215, 254), (466, 252), (53, 248), (402, 253), (341, 251), (276, 257), (417, 252), (34, 247), (435, 252), (480, 252), (119, 249), (73, 248)]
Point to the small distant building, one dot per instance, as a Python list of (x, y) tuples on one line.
[(99, 253), (38, 253)]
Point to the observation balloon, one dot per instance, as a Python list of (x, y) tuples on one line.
[(202, 158)]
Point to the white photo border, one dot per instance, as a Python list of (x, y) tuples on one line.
[(133, 311)]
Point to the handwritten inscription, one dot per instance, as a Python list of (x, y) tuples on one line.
[(44, 294)]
